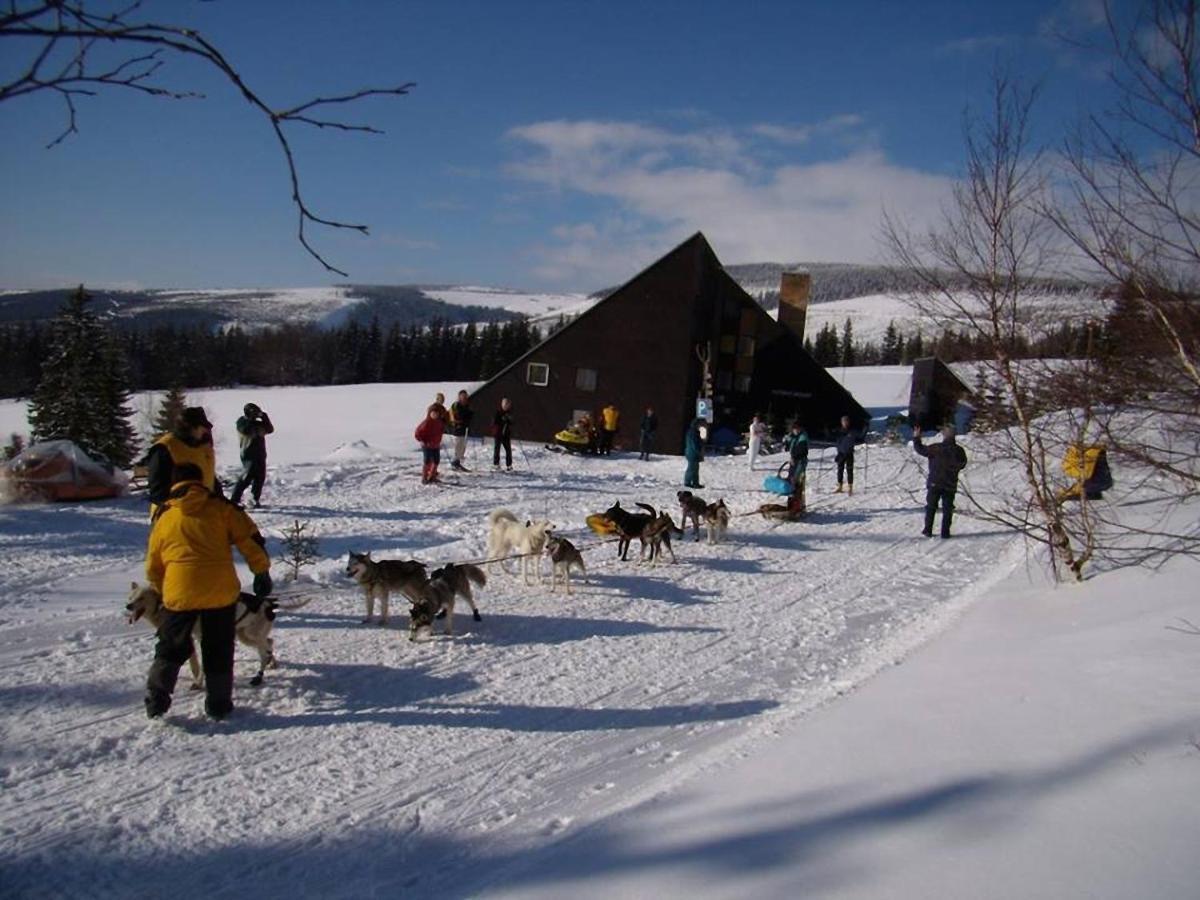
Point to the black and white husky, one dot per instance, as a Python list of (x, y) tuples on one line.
[(254, 617), (436, 598), (716, 519), (381, 577)]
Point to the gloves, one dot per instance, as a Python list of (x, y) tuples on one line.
[(262, 584)]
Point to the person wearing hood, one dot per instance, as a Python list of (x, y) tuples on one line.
[(946, 460), (252, 427), (189, 561), (190, 441), (693, 451)]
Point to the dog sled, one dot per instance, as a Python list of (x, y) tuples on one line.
[(791, 511)]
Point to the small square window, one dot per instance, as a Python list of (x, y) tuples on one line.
[(728, 343), (585, 379), (741, 384), (538, 374), (745, 345)]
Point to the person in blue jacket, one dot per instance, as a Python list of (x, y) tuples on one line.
[(844, 456), (693, 451)]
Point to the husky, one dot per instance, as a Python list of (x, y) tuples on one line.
[(507, 536), (693, 508), (630, 525), (436, 598), (382, 577), (255, 617), (716, 519), (563, 555), (658, 534)]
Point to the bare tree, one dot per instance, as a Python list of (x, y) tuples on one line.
[(976, 271), (72, 52)]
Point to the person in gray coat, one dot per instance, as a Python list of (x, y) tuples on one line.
[(946, 460)]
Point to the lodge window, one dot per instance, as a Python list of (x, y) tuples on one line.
[(745, 346), (538, 374), (728, 343), (585, 379), (742, 384)]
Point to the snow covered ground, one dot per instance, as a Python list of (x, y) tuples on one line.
[(710, 727)]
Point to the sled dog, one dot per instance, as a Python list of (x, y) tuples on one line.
[(694, 508), (658, 534), (630, 525), (381, 577), (507, 536), (716, 519), (436, 598), (563, 555), (255, 617)]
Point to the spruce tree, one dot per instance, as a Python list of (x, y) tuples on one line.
[(849, 357), (83, 394), (173, 403)]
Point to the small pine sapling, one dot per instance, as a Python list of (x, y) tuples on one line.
[(300, 547)]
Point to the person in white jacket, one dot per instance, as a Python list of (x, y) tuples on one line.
[(758, 431)]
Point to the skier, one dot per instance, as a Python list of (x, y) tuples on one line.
[(946, 460), (461, 415), (252, 427), (429, 433)]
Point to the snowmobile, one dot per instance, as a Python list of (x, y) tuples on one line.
[(571, 441)]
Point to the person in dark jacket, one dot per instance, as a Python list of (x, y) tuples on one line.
[(461, 415), (693, 451), (647, 431), (502, 434), (946, 460), (844, 456), (796, 444), (189, 561), (252, 427), (190, 441)]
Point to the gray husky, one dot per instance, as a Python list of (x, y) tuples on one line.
[(436, 598), (384, 576), (255, 618), (563, 556)]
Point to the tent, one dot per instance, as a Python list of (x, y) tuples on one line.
[(60, 470)]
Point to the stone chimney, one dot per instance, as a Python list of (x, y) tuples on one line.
[(794, 291)]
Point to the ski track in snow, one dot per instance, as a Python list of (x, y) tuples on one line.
[(437, 762)]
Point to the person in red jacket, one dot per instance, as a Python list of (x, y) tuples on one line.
[(429, 434)]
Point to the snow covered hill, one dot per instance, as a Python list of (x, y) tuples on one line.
[(368, 765)]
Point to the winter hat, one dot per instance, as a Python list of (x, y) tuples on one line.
[(948, 432), (193, 416), (251, 409)]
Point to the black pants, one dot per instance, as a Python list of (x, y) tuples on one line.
[(506, 443), (606, 441), (932, 497), (647, 441), (217, 627), (254, 473), (845, 470)]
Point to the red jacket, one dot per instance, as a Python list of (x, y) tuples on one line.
[(430, 432)]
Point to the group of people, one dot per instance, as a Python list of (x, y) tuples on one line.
[(189, 553), (431, 430)]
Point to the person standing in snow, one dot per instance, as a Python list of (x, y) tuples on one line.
[(611, 416), (502, 434), (190, 441), (429, 433), (693, 451), (758, 431), (252, 427), (946, 460), (844, 456), (189, 561), (647, 429), (796, 444), (461, 415)]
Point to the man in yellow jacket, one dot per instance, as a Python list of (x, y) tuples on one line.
[(190, 561), (190, 441), (611, 417)]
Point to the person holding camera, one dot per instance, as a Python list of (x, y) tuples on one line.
[(252, 428)]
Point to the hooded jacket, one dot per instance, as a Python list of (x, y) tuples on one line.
[(190, 554), (174, 449)]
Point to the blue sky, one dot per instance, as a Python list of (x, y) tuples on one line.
[(547, 145)]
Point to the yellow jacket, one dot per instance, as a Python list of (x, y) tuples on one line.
[(190, 555), (201, 455), (611, 414)]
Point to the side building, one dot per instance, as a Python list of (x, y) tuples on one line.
[(653, 341)]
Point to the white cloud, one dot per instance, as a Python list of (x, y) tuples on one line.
[(660, 186)]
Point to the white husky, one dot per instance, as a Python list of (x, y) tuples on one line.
[(507, 536)]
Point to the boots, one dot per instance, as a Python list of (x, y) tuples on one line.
[(850, 490), (838, 489)]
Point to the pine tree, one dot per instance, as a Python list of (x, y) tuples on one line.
[(83, 394), (300, 547), (848, 354), (892, 345), (173, 403)]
